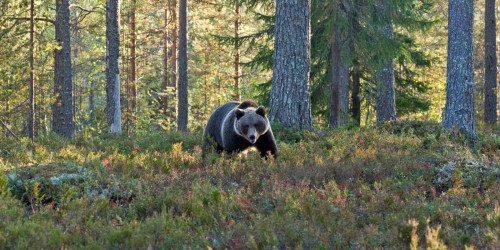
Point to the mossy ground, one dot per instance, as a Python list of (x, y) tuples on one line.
[(403, 186)]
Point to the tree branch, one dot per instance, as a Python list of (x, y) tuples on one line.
[(36, 19)]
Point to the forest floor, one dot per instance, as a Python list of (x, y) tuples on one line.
[(409, 185)]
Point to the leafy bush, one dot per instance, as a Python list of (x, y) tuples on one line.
[(402, 186)]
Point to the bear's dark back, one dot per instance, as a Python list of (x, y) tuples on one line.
[(214, 124)]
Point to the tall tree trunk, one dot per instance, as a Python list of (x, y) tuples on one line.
[(91, 102), (113, 107), (132, 91), (490, 57), (165, 61), (356, 102), (62, 109), (290, 98), (173, 62), (182, 114), (31, 117), (385, 105), (339, 73), (236, 95), (459, 108)]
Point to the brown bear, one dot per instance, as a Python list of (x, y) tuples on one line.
[(235, 127)]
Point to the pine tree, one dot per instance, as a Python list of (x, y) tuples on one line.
[(290, 100), (31, 117), (339, 71), (459, 109), (62, 109), (113, 106), (386, 99), (490, 65), (182, 114)]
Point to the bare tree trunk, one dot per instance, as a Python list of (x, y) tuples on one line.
[(459, 108), (62, 109), (173, 63), (339, 73), (290, 98), (165, 61), (113, 107), (356, 102), (182, 114), (91, 102), (385, 105), (236, 95), (31, 117), (132, 91), (490, 57)]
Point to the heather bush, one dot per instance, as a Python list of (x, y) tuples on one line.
[(406, 185)]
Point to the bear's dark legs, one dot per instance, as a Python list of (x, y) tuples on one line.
[(236, 144), (266, 144)]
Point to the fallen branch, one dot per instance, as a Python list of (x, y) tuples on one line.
[(8, 129)]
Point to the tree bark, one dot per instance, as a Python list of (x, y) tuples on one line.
[(490, 57), (236, 95), (62, 109), (355, 100), (113, 108), (91, 102), (459, 108), (31, 117), (290, 97), (182, 114), (165, 82), (339, 73), (132, 91), (173, 62), (385, 105)]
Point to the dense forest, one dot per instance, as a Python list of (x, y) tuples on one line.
[(367, 63), (385, 113)]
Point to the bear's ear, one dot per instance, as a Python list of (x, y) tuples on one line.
[(261, 111), (239, 113)]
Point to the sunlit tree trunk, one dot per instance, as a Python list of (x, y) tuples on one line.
[(182, 113), (112, 66), (173, 62), (290, 98), (91, 102), (62, 109), (490, 57), (236, 95), (31, 117), (459, 108), (132, 91), (165, 82)]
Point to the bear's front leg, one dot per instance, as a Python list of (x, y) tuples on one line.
[(267, 144)]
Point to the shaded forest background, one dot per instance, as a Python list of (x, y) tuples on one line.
[(230, 47)]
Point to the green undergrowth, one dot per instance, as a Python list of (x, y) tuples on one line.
[(402, 186)]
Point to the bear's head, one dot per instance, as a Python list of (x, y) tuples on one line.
[(251, 123)]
